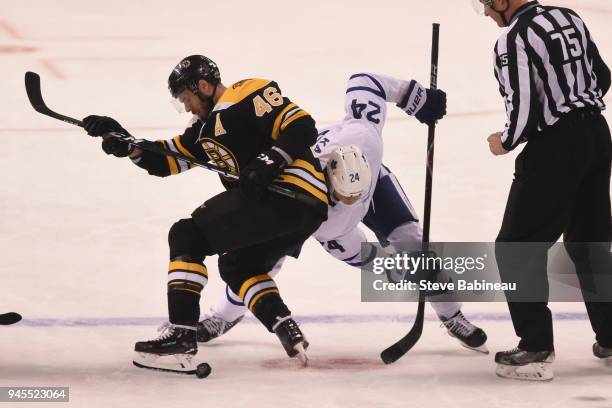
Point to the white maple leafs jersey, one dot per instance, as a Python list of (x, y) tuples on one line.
[(366, 111)]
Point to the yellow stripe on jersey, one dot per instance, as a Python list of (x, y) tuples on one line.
[(279, 118), (309, 168), (181, 148), (171, 160), (293, 117), (255, 298), (188, 266), (241, 90), (250, 282), (285, 178)]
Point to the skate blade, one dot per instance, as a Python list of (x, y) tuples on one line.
[(480, 349), (177, 363), (527, 372), (301, 354)]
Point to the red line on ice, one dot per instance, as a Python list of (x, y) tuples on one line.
[(115, 58), (52, 68), (100, 38), (10, 30)]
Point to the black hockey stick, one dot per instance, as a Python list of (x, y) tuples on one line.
[(32, 84), (9, 318), (403, 345)]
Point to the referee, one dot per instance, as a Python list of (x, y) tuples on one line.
[(553, 81)]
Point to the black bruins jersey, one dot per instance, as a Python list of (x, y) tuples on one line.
[(250, 117)]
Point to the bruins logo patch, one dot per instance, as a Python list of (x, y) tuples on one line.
[(221, 156)]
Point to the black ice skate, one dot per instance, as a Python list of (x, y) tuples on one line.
[(525, 365), (291, 338), (604, 353), (172, 351), (469, 336), (214, 326)]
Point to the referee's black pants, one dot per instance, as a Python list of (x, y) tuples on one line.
[(561, 186)]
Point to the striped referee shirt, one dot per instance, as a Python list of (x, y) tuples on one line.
[(547, 65)]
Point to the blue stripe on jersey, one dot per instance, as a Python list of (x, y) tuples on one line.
[(352, 257), (364, 88), (363, 262), (381, 92), (404, 102)]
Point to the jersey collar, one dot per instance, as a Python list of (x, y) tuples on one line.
[(523, 9)]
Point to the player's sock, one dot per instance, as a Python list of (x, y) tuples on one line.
[(186, 279), (262, 298), (445, 310), (230, 306)]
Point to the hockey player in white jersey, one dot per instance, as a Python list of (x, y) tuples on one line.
[(362, 189)]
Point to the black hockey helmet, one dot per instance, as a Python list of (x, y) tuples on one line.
[(189, 71)]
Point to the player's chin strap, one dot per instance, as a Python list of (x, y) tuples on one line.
[(209, 99), (502, 13)]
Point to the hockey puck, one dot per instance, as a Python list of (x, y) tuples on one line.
[(9, 318), (203, 370)]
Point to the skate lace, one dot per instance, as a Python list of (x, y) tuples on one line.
[(459, 325), (293, 330), (166, 330), (214, 325), (289, 326)]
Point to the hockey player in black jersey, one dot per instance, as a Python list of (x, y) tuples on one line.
[(248, 128)]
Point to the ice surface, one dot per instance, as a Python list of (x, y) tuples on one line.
[(83, 235)]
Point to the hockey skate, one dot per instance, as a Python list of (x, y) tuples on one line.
[(525, 365), (603, 353), (173, 351), (466, 333), (213, 326), (291, 338)]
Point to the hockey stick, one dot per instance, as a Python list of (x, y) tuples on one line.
[(32, 84), (402, 346), (9, 318)]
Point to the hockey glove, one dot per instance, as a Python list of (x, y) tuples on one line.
[(259, 173), (116, 147), (102, 125), (427, 105)]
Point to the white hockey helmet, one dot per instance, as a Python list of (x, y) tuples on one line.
[(348, 172)]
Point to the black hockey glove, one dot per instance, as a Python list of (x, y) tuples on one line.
[(101, 125), (427, 105), (116, 147), (259, 173)]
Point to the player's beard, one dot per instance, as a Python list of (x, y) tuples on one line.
[(207, 107)]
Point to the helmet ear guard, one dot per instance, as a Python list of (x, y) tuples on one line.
[(348, 172)]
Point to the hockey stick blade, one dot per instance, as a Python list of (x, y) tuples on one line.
[(9, 318), (32, 84), (394, 352)]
